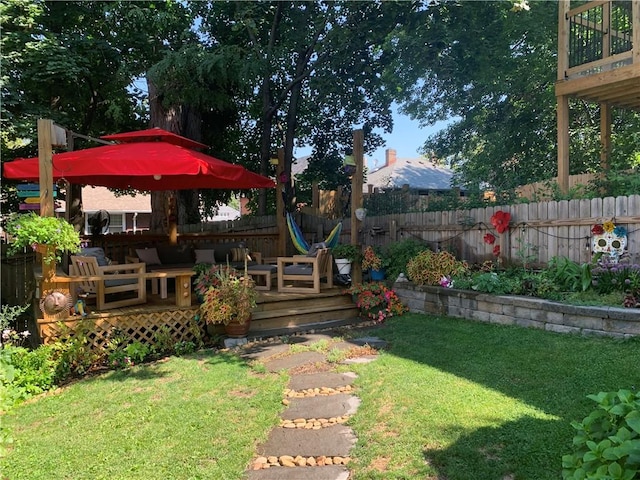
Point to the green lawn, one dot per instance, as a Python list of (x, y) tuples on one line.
[(449, 399), (461, 400), (199, 416)]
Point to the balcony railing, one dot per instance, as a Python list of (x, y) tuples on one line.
[(597, 36)]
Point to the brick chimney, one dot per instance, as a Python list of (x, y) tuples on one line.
[(390, 157)]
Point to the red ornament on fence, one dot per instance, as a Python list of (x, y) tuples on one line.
[(500, 220), (489, 238)]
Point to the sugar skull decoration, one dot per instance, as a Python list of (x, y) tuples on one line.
[(609, 239)]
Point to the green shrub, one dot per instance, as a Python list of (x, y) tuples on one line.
[(607, 443), (35, 369), (568, 275), (396, 256), (73, 354), (427, 268)]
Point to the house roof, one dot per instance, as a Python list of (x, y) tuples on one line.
[(419, 173)]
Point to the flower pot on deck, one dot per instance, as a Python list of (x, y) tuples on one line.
[(344, 266), (235, 329)]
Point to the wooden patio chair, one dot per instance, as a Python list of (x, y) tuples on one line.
[(118, 279), (304, 273)]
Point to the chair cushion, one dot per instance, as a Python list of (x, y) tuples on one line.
[(205, 256), (119, 282), (148, 256), (298, 270), (262, 268), (98, 253), (170, 254)]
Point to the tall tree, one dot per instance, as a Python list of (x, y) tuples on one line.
[(75, 62), (314, 63), (491, 69)]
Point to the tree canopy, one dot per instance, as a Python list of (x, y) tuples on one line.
[(249, 77)]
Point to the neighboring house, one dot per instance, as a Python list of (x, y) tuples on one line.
[(225, 212), (126, 213), (419, 174)]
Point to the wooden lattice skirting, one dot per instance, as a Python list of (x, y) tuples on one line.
[(138, 325)]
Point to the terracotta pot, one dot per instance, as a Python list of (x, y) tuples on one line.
[(237, 330)]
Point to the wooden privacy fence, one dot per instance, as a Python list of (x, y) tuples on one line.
[(537, 231)]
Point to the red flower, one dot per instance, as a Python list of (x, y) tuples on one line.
[(489, 238), (597, 230), (496, 250), (500, 220)]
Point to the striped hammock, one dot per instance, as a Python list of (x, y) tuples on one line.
[(301, 244)]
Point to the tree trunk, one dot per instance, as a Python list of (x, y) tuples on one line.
[(184, 121)]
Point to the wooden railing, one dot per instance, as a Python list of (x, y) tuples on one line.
[(598, 36)]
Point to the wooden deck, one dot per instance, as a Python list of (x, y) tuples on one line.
[(275, 314)]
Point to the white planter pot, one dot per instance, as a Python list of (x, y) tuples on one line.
[(344, 266)]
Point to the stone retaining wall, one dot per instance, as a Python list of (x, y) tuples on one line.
[(522, 311)]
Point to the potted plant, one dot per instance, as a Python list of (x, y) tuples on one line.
[(50, 236), (344, 254), (376, 301), (373, 261), (228, 298)]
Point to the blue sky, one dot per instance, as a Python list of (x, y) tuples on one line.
[(407, 137)]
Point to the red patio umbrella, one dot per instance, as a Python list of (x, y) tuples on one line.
[(143, 165)]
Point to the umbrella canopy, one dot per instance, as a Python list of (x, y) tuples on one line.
[(155, 134), (143, 165)]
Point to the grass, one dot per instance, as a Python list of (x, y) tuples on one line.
[(199, 416), (449, 399), (461, 400)]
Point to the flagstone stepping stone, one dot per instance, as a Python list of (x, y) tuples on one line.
[(295, 360), (363, 359), (321, 407), (373, 342), (262, 351), (323, 379), (332, 441), (328, 472)]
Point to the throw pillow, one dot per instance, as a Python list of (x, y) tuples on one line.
[(148, 256), (205, 256), (237, 254), (98, 253)]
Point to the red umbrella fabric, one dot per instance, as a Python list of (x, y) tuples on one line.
[(142, 165), (156, 134)]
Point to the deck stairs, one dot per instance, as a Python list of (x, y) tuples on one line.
[(282, 314)]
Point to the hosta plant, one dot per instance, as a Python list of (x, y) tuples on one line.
[(607, 442)]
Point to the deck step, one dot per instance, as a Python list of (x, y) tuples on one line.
[(283, 314)]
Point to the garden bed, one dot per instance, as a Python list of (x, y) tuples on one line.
[(518, 310)]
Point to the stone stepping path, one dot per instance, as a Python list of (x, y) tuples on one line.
[(312, 441)]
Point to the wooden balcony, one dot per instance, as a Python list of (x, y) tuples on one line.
[(598, 61)]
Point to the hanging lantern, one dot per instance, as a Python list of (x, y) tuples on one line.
[(349, 164)]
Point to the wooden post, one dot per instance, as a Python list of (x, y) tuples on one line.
[(635, 21), (357, 181), (605, 137), (280, 219), (562, 112), (45, 164), (563, 142)]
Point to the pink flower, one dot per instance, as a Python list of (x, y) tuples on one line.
[(496, 250)]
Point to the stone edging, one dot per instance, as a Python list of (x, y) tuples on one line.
[(518, 310)]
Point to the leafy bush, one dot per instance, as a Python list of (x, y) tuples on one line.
[(35, 370), (427, 268), (396, 256), (607, 442), (568, 275)]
